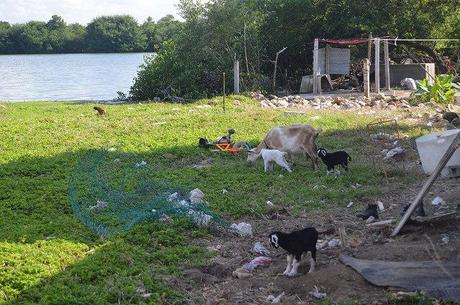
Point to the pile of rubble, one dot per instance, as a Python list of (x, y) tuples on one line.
[(379, 101)]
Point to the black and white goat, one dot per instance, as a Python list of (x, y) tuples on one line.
[(332, 159), (296, 243)]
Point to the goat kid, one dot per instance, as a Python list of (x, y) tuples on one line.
[(296, 243), (333, 159), (272, 155)]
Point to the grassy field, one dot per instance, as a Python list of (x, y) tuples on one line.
[(47, 256)]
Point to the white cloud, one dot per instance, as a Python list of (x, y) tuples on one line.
[(83, 11)]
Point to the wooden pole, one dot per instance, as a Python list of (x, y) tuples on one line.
[(236, 77), (315, 66), (366, 78), (377, 65), (369, 47), (442, 163), (223, 95), (386, 52)]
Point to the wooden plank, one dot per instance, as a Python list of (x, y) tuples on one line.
[(386, 52), (442, 163), (315, 66), (377, 65)]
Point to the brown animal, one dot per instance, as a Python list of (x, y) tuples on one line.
[(99, 110), (294, 139)]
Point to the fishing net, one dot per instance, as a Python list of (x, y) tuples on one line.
[(110, 192)]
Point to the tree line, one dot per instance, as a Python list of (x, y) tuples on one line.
[(120, 33), (217, 32)]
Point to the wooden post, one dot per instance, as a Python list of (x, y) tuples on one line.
[(369, 47), (366, 78), (328, 58), (223, 95), (236, 77), (377, 65), (386, 52), (315, 66), (442, 163)]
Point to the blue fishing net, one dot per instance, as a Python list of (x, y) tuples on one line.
[(110, 192)]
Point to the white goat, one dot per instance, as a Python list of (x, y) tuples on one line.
[(273, 155)]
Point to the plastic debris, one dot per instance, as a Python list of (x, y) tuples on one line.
[(258, 261), (393, 152), (243, 229), (270, 204), (445, 240), (438, 201), (275, 300), (111, 149), (241, 273), (317, 294), (350, 204), (224, 191), (380, 205), (382, 136), (334, 243), (140, 164), (321, 244), (260, 249), (196, 196), (173, 196), (370, 219), (99, 206), (371, 210)]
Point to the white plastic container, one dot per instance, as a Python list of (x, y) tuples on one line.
[(432, 147)]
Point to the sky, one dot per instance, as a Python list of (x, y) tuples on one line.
[(83, 11)]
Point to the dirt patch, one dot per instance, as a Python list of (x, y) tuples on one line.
[(439, 239)]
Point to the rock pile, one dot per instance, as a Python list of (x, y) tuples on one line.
[(380, 101)]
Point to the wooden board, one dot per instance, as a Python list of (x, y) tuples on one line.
[(440, 279)]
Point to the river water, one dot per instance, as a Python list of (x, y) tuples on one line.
[(67, 77)]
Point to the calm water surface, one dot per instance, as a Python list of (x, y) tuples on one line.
[(66, 77)]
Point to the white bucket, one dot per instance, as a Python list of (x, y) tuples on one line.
[(432, 148)]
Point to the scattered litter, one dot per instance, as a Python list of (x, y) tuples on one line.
[(116, 160), (260, 249), (380, 205), (370, 219), (381, 223), (173, 196), (224, 191), (111, 149), (275, 300), (314, 118), (321, 244), (99, 206), (382, 136), (445, 240), (356, 185), (158, 123), (393, 152), (143, 163), (371, 210), (317, 294), (243, 229), (438, 201), (196, 196), (350, 204), (270, 204), (334, 243), (142, 292), (258, 261), (241, 273)]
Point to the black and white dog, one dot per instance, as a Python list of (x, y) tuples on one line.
[(296, 243), (333, 159)]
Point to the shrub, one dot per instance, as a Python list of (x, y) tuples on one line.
[(442, 91)]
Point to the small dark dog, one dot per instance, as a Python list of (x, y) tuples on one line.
[(296, 243), (99, 110), (333, 159)]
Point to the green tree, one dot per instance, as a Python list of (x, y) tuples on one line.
[(115, 34), (4, 40)]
